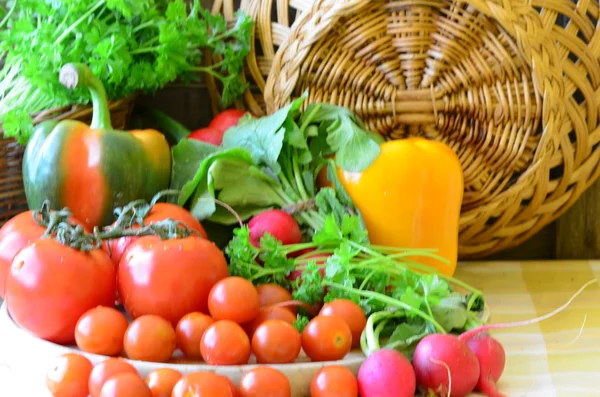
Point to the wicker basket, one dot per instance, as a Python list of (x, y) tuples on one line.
[(503, 83), (272, 21), (12, 193), (511, 85)]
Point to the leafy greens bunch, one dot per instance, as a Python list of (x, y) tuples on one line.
[(273, 162), (131, 45), (403, 299)]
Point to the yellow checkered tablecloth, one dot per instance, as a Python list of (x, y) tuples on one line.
[(555, 358)]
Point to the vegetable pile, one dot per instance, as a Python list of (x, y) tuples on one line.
[(132, 46), (299, 276)]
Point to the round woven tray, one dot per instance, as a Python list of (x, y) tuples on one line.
[(503, 83), (12, 193)]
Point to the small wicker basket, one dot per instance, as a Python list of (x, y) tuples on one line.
[(12, 193), (512, 86)]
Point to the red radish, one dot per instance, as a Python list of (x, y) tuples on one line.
[(386, 373), (207, 134), (279, 224), (444, 365), (225, 119), (492, 358)]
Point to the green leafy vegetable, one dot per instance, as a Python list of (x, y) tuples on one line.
[(403, 300), (273, 162), (131, 45)]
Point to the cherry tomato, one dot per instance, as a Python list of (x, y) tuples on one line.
[(269, 294), (326, 338), (50, 286), (101, 330), (208, 135), (264, 381), (232, 388), (127, 384), (160, 212), (226, 119), (200, 384), (225, 343), (20, 231), (189, 333), (269, 313), (69, 376), (150, 338), (162, 381), (235, 299), (276, 342), (169, 278), (334, 381), (351, 313), (106, 370)]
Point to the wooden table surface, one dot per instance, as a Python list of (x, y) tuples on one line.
[(557, 357)]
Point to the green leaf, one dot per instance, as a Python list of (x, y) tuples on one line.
[(19, 125), (406, 336), (262, 137), (451, 313), (301, 322), (188, 156), (309, 287)]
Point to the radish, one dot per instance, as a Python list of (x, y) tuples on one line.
[(279, 224), (445, 366), (492, 358), (386, 373)]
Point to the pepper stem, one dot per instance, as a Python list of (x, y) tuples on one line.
[(73, 75)]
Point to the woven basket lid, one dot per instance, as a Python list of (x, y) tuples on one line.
[(510, 90)]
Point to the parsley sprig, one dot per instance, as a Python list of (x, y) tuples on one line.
[(131, 45)]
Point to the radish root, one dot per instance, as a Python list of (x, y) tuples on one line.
[(576, 338), (443, 364), (469, 334), (227, 207)]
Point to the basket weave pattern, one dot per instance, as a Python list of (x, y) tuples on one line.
[(502, 82), (12, 193)]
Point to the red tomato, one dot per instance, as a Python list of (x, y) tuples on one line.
[(235, 299), (225, 343), (106, 370), (326, 338), (69, 376), (160, 212), (169, 278), (351, 313), (50, 286), (20, 231), (208, 135), (264, 381), (276, 342), (162, 381), (127, 384), (226, 119), (189, 333), (200, 384), (100, 331), (269, 313), (150, 338), (334, 381), (269, 294)]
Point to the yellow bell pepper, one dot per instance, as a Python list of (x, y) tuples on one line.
[(411, 197)]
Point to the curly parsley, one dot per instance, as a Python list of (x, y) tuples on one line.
[(131, 45)]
